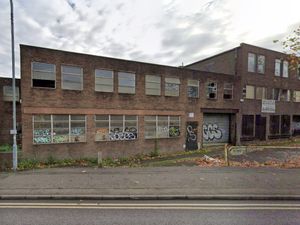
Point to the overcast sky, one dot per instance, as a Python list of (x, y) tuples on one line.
[(168, 32)]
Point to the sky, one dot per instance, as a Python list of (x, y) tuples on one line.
[(168, 32)]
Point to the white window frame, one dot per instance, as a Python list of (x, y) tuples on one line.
[(263, 64), (8, 93), (214, 89), (277, 67), (152, 80), (228, 89), (264, 96), (32, 74), (173, 81), (104, 79), (285, 69), (253, 67), (247, 93), (72, 74), (296, 96)]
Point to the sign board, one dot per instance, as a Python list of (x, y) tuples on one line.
[(238, 150), (267, 106), (191, 115)]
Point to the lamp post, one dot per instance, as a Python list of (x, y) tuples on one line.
[(14, 130)]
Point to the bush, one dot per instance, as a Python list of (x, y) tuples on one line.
[(5, 148)]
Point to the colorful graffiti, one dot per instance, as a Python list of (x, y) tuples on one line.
[(174, 131), (42, 136), (211, 132)]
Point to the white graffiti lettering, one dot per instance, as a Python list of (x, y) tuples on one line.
[(191, 135), (211, 132)]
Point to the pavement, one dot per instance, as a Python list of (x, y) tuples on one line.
[(152, 183)]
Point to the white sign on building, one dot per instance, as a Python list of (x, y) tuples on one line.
[(268, 106)]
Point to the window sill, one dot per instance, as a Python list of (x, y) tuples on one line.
[(78, 142)]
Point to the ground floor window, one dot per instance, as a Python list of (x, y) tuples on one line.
[(285, 124), (274, 124), (248, 125), (49, 129), (162, 126), (116, 127)]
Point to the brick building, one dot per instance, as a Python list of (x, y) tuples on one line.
[(76, 105), (270, 95), (6, 110)]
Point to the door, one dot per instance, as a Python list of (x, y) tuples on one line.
[(191, 142), (216, 128), (260, 127)]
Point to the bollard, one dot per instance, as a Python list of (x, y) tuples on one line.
[(99, 159), (226, 155)]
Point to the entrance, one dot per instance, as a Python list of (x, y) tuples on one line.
[(191, 142), (260, 127)]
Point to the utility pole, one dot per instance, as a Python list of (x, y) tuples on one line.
[(14, 130)]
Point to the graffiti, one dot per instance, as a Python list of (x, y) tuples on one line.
[(42, 140), (60, 138), (174, 131), (42, 136), (44, 132), (191, 136), (127, 134), (162, 132), (211, 132), (77, 131)]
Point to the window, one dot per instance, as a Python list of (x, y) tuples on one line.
[(211, 90), (276, 94), (260, 93), (228, 91), (285, 95), (251, 62), (162, 126), (261, 64), (285, 69), (277, 67), (172, 86), (296, 96), (298, 71), (49, 129), (126, 83), (153, 85), (274, 124), (116, 127), (8, 93), (193, 89), (43, 75), (72, 78), (104, 80), (249, 92), (247, 125), (285, 124)]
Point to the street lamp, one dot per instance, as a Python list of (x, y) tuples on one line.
[(14, 130)]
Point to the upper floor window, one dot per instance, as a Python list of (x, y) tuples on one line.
[(152, 85), (126, 83), (8, 93), (104, 80), (276, 94), (248, 92), (43, 75), (211, 90), (260, 93), (277, 67), (285, 69), (193, 88), (228, 91), (261, 64), (298, 71), (72, 77), (296, 96), (285, 95), (172, 86), (251, 62)]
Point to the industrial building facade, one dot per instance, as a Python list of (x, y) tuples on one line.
[(76, 105)]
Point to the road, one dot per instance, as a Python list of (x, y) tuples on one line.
[(150, 212)]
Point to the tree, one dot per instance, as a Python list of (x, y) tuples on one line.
[(291, 46)]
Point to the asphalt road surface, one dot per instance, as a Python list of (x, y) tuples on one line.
[(154, 213)]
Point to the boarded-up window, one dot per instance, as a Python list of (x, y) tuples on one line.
[(251, 62), (211, 90), (261, 64), (228, 91), (277, 67), (193, 88), (43, 75), (260, 93), (8, 93), (274, 124), (296, 96), (153, 85), (104, 80), (161, 126), (116, 127), (249, 92), (285, 69), (285, 124), (172, 86), (247, 125), (72, 78), (126, 83)]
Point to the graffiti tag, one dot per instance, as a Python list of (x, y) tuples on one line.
[(211, 132), (118, 134), (191, 136)]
